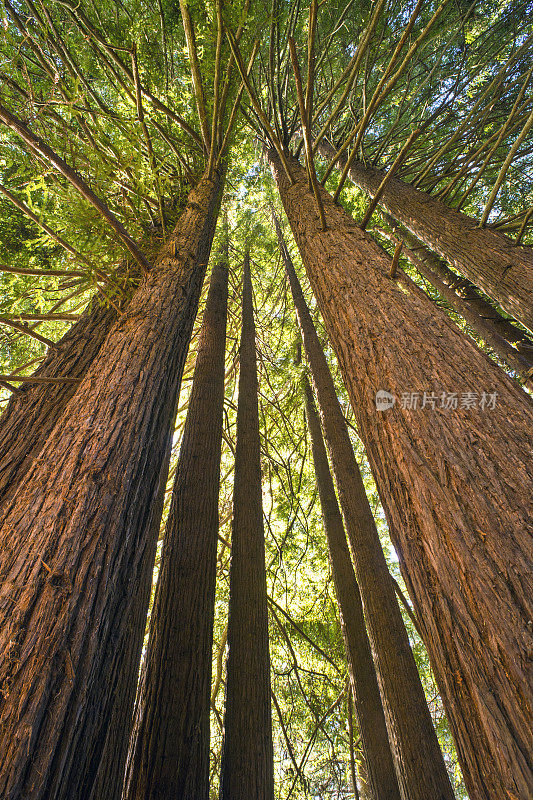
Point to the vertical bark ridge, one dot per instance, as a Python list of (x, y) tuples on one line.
[(448, 480), (502, 270), (32, 412), (466, 291), (498, 332), (247, 771), (69, 585), (111, 763), (169, 754), (364, 684)]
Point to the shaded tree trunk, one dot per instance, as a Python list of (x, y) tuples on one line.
[(34, 409), (419, 762), (169, 754), (109, 781), (69, 586), (448, 481), (353, 765), (247, 771), (498, 332), (382, 777), (504, 326), (491, 261)]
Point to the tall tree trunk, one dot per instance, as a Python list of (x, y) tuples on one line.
[(247, 771), (169, 754), (109, 781), (34, 409), (382, 777), (419, 763), (498, 332), (447, 479), (69, 584), (491, 261)]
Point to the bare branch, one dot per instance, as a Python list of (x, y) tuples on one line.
[(383, 185), (307, 135), (196, 73), (257, 106), (18, 326), (505, 166)]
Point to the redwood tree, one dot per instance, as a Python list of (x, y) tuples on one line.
[(364, 684), (508, 341), (418, 759), (446, 478), (35, 408), (490, 260), (69, 583), (247, 770), (169, 754)]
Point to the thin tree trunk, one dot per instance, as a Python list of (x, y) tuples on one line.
[(247, 771), (452, 482), (488, 259), (69, 584), (372, 726), (419, 762), (498, 332), (169, 754), (353, 765)]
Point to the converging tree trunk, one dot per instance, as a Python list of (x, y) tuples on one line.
[(74, 542), (169, 754), (34, 409), (510, 343), (109, 781), (492, 262), (247, 771), (419, 763), (372, 726), (448, 452)]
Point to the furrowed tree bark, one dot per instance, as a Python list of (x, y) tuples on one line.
[(69, 585), (247, 766), (502, 270), (510, 343), (110, 777), (32, 412), (419, 763), (372, 726), (169, 755), (448, 481)]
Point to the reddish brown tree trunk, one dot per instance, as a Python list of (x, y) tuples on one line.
[(69, 585), (491, 261), (169, 754), (419, 762), (372, 727), (452, 482), (34, 409), (496, 331), (109, 781), (247, 771)]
